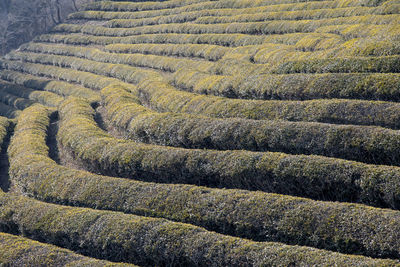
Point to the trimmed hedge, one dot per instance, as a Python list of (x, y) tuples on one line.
[(8, 111), (367, 144), (86, 79), (124, 6), (4, 124), (209, 52), (369, 86), (138, 60), (205, 8), (148, 241), (52, 86), (22, 97), (164, 97), (116, 71), (387, 64), (241, 15), (19, 251), (379, 22), (13, 100), (255, 215), (171, 38), (310, 176)]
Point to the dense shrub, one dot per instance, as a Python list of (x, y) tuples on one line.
[(138, 60), (51, 86), (20, 251), (149, 241), (366, 144), (21, 97), (313, 176), (8, 111), (255, 215), (301, 86)]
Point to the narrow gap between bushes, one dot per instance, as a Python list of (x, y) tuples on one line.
[(4, 162)]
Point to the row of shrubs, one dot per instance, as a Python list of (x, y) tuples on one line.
[(118, 71), (49, 86), (209, 52), (21, 97), (86, 79), (139, 6), (4, 125), (212, 16), (310, 176), (261, 24), (255, 215), (204, 8), (20, 251), (154, 242), (390, 64), (227, 17), (374, 86), (126, 6), (265, 27), (358, 46), (163, 63), (164, 97), (213, 39), (297, 86), (8, 111), (367, 144), (13, 100)]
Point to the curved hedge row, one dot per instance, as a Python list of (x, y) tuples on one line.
[(19, 251), (205, 8), (380, 24), (164, 97), (310, 176), (8, 111), (13, 100), (375, 86), (303, 14), (255, 215), (388, 64), (213, 16), (163, 63), (52, 86), (4, 124), (369, 86), (116, 71), (213, 39), (124, 6), (148, 241), (22, 97), (86, 79), (367, 144), (209, 52)]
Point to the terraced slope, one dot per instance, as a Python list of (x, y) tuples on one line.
[(205, 133)]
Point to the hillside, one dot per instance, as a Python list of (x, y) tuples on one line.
[(204, 133)]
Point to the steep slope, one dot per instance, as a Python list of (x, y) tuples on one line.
[(207, 133)]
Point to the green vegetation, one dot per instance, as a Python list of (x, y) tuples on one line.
[(4, 124), (149, 241), (205, 133), (242, 213), (52, 86), (366, 144), (17, 251), (315, 177)]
